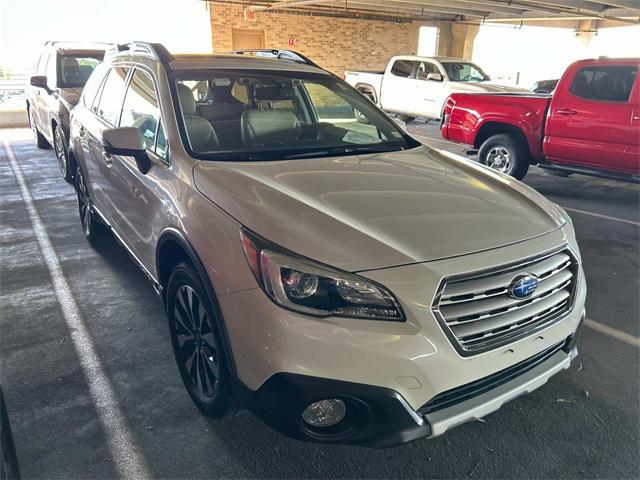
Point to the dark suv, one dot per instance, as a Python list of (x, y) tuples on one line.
[(54, 88)]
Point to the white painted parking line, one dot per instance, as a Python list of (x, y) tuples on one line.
[(128, 460), (600, 215), (613, 332)]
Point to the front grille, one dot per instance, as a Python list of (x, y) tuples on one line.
[(473, 389), (478, 313)]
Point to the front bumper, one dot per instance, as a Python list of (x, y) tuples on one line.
[(379, 417), (389, 370)]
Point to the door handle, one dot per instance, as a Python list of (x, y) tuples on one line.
[(566, 111), (108, 159), (636, 117)]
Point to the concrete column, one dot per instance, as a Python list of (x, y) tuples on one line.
[(456, 39), (586, 30)]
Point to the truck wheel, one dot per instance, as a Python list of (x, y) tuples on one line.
[(406, 118), (506, 154)]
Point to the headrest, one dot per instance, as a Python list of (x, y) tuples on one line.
[(187, 100), (221, 95), (267, 122), (274, 93), (69, 63)]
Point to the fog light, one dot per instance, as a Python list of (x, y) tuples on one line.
[(325, 413)]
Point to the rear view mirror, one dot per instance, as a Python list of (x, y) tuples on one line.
[(127, 142), (39, 81), (434, 77)]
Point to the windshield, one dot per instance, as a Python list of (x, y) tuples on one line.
[(464, 72), (74, 70), (248, 115)]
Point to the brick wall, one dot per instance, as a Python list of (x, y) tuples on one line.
[(334, 43)]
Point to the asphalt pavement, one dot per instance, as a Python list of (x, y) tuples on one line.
[(583, 424)]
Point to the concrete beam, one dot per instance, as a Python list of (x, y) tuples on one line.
[(416, 7)]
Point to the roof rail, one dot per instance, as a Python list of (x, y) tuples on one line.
[(153, 50), (71, 42), (275, 53)]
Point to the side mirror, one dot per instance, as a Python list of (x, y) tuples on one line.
[(39, 81), (434, 77), (127, 142)]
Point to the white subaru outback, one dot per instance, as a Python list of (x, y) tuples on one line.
[(345, 282)]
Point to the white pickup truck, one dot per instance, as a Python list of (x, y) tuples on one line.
[(413, 86)]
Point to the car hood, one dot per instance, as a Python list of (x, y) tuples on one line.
[(71, 95), (381, 210), (485, 87)]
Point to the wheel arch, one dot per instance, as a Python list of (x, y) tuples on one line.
[(491, 128), (361, 86), (172, 249)]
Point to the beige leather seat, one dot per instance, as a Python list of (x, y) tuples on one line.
[(202, 136), (262, 128)]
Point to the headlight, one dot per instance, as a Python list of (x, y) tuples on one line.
[(305, 286)]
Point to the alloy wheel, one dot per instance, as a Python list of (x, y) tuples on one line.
[(84, 204), (196, 342), (58, 145), (499, 158)]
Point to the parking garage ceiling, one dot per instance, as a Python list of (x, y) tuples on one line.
[(490, 11)]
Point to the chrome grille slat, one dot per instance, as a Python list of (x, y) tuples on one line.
[(478, 313), (489, 315), (528, 311), (480, 307), (487, 283), (493, 336)]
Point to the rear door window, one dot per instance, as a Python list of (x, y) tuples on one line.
[(110, 102), (606, 84), (141, 110), (92, 86), (402, 68)]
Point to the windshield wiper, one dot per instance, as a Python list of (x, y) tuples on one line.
[(345, 150)]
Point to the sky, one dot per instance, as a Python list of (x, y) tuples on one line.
[(182, 25)]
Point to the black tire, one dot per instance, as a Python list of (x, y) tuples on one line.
[(505, 153), (406, 118), (94, 230), (62, 154), (194, 325), (38, 138)]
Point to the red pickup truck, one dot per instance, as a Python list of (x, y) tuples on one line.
[(590, 124)]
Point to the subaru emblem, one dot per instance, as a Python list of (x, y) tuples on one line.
[(522, 286)]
